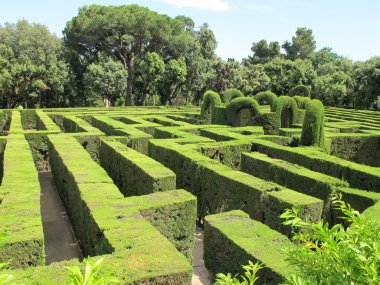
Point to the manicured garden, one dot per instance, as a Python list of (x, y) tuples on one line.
[(135, 181)]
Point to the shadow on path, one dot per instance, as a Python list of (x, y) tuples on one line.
[(60, 242)]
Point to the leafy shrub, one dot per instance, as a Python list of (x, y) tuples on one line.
[(231, 93), (286, 110), (325, 255), (300, 90), (236, 105), (266, 98), (90, 276), (249, 277), (335, 255), (301, 101), (209, 101), (313, 124)]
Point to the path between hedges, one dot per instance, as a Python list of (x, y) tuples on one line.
[(201, 276), (60, 242)]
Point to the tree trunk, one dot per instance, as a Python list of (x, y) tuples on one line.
[(143, 99), (130, 79)]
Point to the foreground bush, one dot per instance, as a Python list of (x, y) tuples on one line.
[(335, 255), (325, 255)]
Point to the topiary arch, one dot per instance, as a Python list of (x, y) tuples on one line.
[(209, 101), (300, 90), (286, 111), (266, 98), (313, 124), (301, 101), (231, 93), (240, 111)]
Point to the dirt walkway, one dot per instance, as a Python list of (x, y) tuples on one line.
[(60, 242), (200, 276)]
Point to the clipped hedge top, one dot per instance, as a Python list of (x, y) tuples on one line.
[(231, 93)]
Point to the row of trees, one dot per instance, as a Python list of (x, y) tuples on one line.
[(115, 55)]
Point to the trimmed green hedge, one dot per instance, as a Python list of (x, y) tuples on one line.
[(232, 239), (219, 116), (209, 101), (293, 176), (266, 98), (313, 125), (360, 148), (357, 175), (241, 111), (286, 111), (20, 214), (220, 188), (301, 101), (136, 139), (300, 90), (133, 172), (231, 93), (106, 222)]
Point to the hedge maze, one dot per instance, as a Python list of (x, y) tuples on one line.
[(134, 182)]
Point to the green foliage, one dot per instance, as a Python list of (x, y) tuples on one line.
[(301, 101), (125, 33), (249, 277), (235, 106), (262, 52), (105, 80), (150, 72), (367, 83), (32, 72), (302, 45), (90, 276), (286, 110), (209, 101), (313, 124), (334, 255), (231, 93), (300, 90), (285, 74), (266, 98)]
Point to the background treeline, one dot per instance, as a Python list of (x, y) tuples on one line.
[(129, 55)]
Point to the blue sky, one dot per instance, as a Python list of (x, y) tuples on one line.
[(350, 27)]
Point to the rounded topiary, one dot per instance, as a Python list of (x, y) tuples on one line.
[(301, 101), (238, 105), (313, 124), (20, 107), (286, 111), (231, 93), (300, 90), (266, 98), (209, 101)]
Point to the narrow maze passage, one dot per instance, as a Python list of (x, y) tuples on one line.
[(60, 242), (201, 276)]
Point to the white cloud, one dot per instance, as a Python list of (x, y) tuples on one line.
[(217, 5)]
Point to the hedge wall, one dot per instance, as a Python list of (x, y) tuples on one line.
[(100, 215), (241, 111), (20, 214), (133, 172), (313, 125), (232, 239), (209, 101)]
